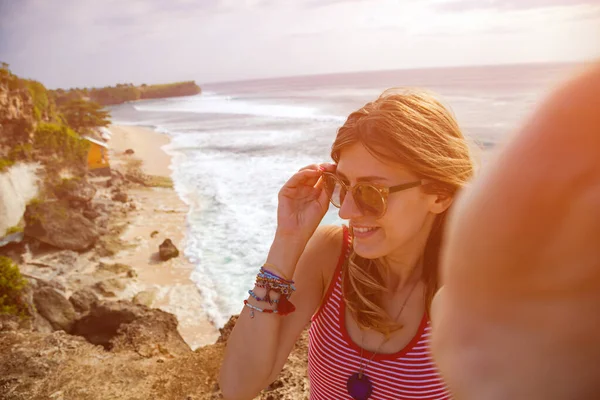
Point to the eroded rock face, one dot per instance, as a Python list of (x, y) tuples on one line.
[(55, 308), (226, 330), (122, 325), (57, 365), (60, 226)]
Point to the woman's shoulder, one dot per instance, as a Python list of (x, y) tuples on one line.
[(327, 240), (325, 248)]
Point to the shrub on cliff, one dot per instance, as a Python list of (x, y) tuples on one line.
[(42, 105), (11, 286), (5, 163), (60, 140), (82, 115)]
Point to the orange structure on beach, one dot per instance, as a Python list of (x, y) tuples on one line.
[(97, 159)]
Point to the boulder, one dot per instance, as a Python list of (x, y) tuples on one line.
[(101, 207), (83, 300), (115, 182), (145, 297), (91, 214), (53, 283), (109, 245), (55, 308), (123, 326), (167, 250), (62, 262), (35, 322), (109, 287), (59, 226), (75, 190), (129, 152), (41, 324), (120, 196), (137, 177), (116, 269)]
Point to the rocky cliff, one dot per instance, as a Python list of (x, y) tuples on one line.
[(79, 342), (141, 357), (18, 185)]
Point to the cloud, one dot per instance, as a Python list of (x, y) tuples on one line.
[(98, 42), (325, 3), (506, 5)]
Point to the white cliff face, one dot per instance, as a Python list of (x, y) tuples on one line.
[(18, 185)]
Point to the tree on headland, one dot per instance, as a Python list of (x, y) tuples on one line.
[(124, 92), (83, 115)]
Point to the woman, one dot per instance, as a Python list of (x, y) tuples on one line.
[(367, 289)]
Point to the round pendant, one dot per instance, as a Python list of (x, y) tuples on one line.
[(359, 387)]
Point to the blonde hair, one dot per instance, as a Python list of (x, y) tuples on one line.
[(414, 129)]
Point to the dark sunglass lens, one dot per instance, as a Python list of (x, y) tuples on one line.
[(329, 184), (334, 189), (369, 200)]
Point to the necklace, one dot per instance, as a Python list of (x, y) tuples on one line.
[(359, 385)]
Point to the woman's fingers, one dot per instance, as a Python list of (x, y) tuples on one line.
[(305, 177), (324, 167), (309, 175)]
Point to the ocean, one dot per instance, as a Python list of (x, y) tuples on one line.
[(237, 143)]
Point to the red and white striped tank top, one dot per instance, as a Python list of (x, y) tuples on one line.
[(333, 356)]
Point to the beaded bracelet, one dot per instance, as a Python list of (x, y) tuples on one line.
[(272, 282), (264, 268), (262, 310), (283, 289), (271, 301)]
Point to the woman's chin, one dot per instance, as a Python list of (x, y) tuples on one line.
[(365, 251)]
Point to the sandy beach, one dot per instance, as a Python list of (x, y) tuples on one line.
[(159, 209)]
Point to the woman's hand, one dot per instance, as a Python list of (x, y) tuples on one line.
[(303, 203)]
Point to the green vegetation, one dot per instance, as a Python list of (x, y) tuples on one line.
[(176, 89), (21, 152), (61, 141), (158, 181), (122, 93), (65, 185), (11, 287), (5, 163), (41, 103), (42, 132), (13, 229), (115, 95), (83, 115)]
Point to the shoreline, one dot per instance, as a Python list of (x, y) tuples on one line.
[(159, 209)]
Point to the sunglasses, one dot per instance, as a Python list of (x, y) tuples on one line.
[(371, 199)]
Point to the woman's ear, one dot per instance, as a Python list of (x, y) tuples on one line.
[(440, 197), (440, 203)]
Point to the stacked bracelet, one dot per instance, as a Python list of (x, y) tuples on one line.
[(272, 282)]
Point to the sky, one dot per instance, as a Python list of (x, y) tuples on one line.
[(76, 43)]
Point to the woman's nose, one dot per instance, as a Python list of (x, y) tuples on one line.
[(348, 208)]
